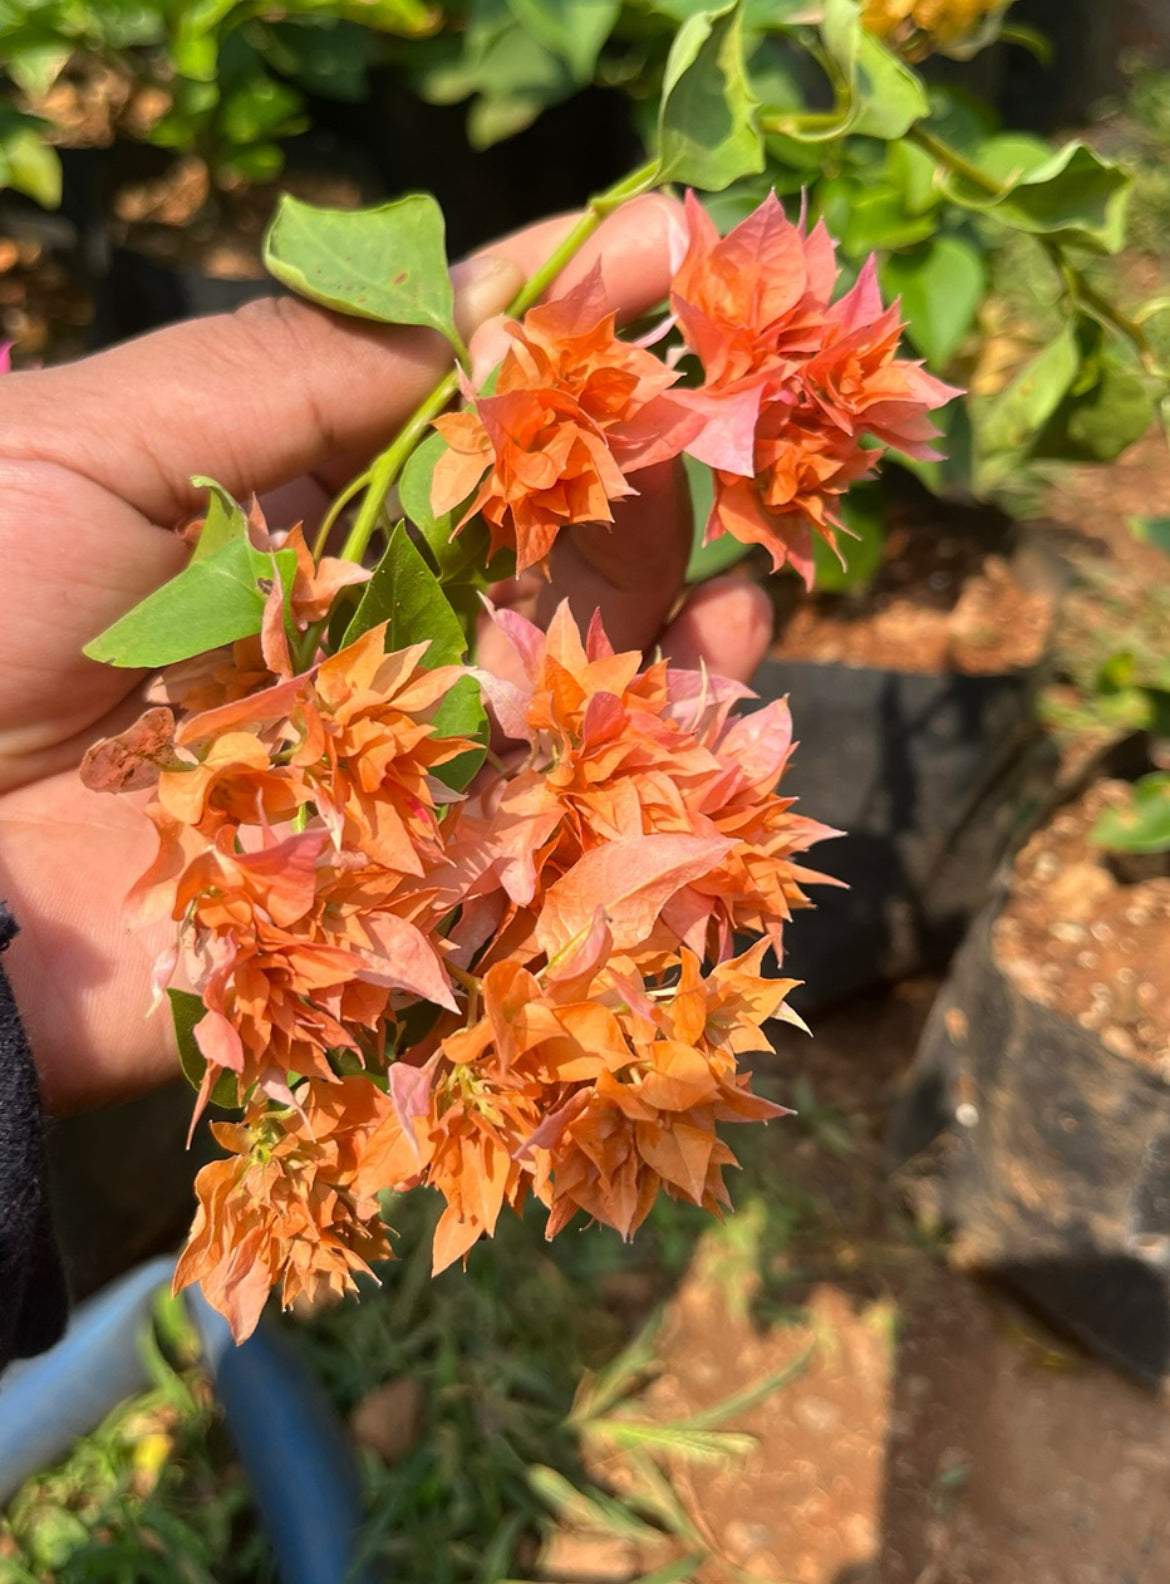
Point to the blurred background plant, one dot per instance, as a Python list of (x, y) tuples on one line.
[(912, 164)]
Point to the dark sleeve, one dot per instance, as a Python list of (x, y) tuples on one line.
[(33, 1302)]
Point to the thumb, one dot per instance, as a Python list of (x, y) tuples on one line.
[(255, 398)]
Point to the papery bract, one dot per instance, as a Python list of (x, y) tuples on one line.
[(573, 413), (285, 1207), (800, 393)]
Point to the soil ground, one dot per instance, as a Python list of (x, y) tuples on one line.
[(934, 1432), (952, 593)]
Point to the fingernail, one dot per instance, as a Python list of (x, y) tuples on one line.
[(484, 286)]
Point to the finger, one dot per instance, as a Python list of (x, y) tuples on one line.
[(631, 570), (637, 246), (726, 624), (257, 397), (76, 558)]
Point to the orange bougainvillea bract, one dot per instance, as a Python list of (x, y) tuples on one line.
[(801, 393), (542, 982)]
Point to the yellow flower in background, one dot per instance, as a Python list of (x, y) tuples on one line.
[(919, 26)]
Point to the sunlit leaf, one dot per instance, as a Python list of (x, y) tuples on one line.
[(707, 131), (406, 594), (388, 263), (941, 286), (1033, 395), (213, 601), (1143, 825)]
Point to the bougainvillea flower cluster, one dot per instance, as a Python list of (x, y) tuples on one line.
[(574, 411), (799, 397), (321, 884), (543, 986)]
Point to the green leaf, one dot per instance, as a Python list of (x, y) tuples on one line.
[(31, 166), (889, 97), (707, 560), (1033, 396), (574, 30), (587, 1509), (912, 171), (693, 1446), (941, 286), (841, 35), (678, 1572), (213, 601), (707, 132), (186, 1011), (1152, 530), (403, 592), (35, 69), (388, 263), (406, 594), (259, 162), (452, 556), (1143, 826), (1098, 423), (1075, 197), (1071, 195), (871, 216), (1009, 157), (864, 512), (260, 108), (223, 522)]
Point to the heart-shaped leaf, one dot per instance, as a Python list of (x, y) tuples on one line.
[(214, 600), (707, 131), (388, 263)]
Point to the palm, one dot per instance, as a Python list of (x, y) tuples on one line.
[(69, 856)]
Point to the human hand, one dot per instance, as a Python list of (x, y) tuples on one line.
[(283, 399)]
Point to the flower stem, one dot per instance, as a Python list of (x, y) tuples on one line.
[(329, 521), (602, 204), (387, 465)]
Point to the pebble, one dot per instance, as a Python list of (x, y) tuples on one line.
[(1071, 934), (743, 1539), (1116, 1039), (1088, 959), (817, 1413), (1047, 867), (1101, 931)]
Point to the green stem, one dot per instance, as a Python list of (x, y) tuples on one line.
[(385, 468), (329, 521), (632, 186), (956, 162)]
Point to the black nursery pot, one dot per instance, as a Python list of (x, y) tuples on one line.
[(927, 775), (1050, 1158), (121, 1183)]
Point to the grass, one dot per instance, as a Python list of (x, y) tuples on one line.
[(528, 1367)]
